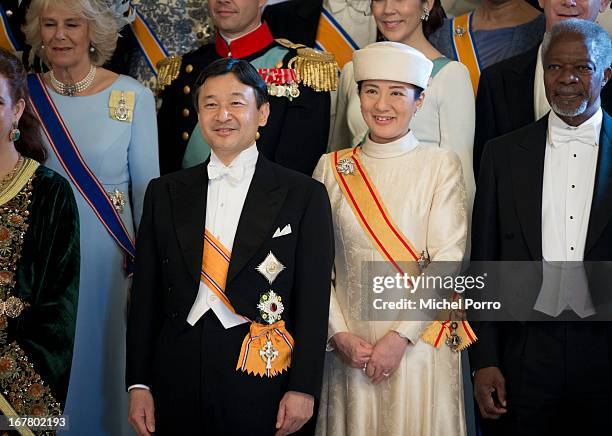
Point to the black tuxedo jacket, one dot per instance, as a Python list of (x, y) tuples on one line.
[(507, 226), (186, 366), (504, 102)]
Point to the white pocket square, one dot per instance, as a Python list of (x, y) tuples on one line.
[(284, 232)]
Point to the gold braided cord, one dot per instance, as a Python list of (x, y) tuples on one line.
[(315, 69), (168, 69)]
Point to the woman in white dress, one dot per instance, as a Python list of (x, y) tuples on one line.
[(447, 116), (382, 377)]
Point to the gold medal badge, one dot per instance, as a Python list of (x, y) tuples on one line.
[(121, 105)]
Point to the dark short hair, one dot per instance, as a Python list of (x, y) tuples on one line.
[(244, 72), (417, 89)]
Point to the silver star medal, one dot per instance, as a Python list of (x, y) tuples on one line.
[(346, 166), (270, 307), (270, 268)]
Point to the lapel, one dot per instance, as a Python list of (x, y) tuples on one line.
[(188, 198), (601, 207), (527, 179), (261, 206), (518, 82)]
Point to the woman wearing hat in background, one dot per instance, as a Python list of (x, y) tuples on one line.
[(446, 118), (395, 200), (102, 135)]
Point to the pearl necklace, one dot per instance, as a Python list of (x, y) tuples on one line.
[(69, 89)]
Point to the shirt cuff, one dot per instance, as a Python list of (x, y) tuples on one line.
[(137, 386)]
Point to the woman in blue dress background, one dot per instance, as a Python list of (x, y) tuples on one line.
[(75, 37)]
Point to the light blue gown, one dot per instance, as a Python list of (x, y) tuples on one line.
[(123, 156)]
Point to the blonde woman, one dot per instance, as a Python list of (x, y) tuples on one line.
[(101, 129)]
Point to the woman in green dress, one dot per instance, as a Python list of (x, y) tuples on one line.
[(39, 260)]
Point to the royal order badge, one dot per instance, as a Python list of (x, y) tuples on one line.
[(271, 267), (270, 307), (346, 166)]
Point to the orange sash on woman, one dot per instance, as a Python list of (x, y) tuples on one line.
[(386, 236)]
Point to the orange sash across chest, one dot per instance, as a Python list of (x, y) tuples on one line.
[(386, 236), (261, 338), (370, 211), (464, 46)]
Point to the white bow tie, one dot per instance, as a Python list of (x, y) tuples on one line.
[(583, 134), (233, 173)]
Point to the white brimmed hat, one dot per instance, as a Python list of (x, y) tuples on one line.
[(392, 61)]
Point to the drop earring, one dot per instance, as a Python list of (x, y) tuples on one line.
[(15, 133), (257, 136), (425, 14)]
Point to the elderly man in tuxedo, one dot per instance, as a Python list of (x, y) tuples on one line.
[(511, 93), (545, 194), (228, 321)]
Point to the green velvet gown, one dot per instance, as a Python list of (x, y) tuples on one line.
[(39, 282)]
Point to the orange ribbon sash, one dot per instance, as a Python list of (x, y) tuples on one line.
[(266, 349), (386, 236), (150, 45), (7, 39), (464, 46), (215, 264), (331, 37)]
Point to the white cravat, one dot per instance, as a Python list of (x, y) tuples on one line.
[(227, 191), (540, 103), (569, 178)]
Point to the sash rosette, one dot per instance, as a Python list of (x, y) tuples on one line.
[(266, 350)]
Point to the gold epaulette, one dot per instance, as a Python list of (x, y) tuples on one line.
[(316, 69), (168, 69)]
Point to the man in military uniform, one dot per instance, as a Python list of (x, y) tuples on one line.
[(299, 80)]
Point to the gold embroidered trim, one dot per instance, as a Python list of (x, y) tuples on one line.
[(7, 410), (23, 387), (14, 186), (20, 385)]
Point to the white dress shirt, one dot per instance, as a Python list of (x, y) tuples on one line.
[(540, 102), (227, 191), (569, 178)]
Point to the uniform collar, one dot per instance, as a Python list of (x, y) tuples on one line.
[(245, 45)]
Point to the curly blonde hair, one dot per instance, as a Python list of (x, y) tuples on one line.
[(103, 26)]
